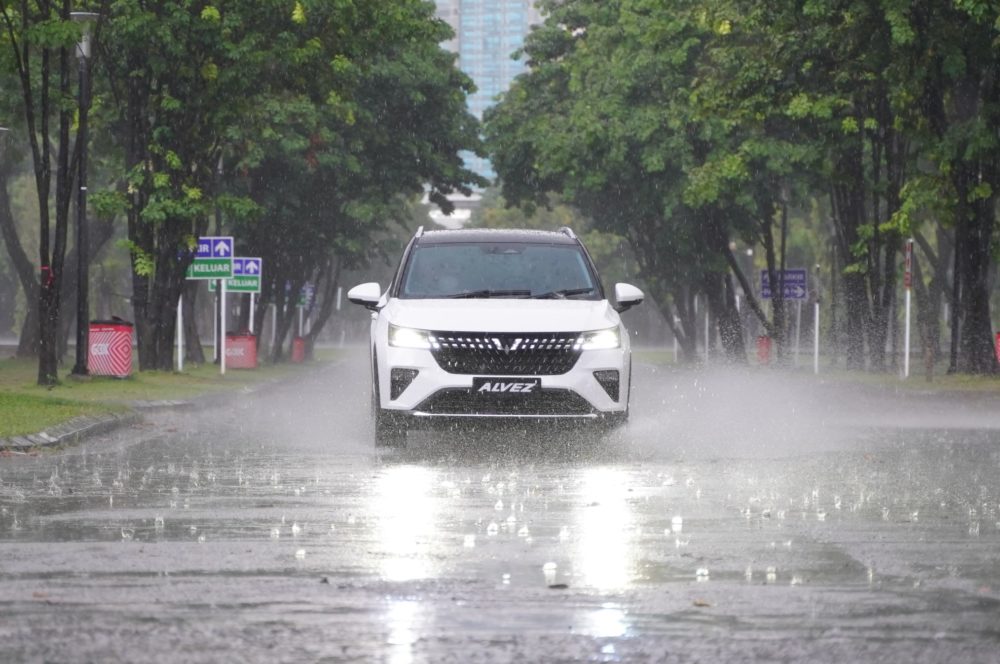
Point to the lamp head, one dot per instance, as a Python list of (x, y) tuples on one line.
[(86, 20)]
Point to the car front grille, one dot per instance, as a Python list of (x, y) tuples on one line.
[(463, 401), (488, 354)]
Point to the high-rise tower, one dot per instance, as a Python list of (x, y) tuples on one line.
[(487, 32)]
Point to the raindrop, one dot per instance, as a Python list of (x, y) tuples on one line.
[(796, 580), (158, 523), (296, 529), (300, 554), (748, 574), (194, 529), (821, 515), (677, 524), (701, 574), (201, 539), (523, 532), (772, 574), (564, 533), (885, 513), (128, 534), (498, 506), (492, 529), (275, 533), (836, 502), (505, 579), (333, 527), (469, 542)]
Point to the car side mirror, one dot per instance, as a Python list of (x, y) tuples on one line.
[(626, 297), (367, 295)]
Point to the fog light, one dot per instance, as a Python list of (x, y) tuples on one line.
[(399, 380), (610, 380)]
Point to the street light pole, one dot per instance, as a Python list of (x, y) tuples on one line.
[(82, 268)]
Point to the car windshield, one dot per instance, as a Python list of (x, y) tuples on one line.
[(498, 269)]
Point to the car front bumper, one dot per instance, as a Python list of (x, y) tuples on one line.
[(435, 393)]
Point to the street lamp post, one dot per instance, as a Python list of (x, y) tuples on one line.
[(82, 268)]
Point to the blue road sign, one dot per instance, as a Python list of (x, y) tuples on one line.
[(215, 247), (247, 266), (796, 284)]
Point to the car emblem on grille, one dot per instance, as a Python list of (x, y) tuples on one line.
[(506, 350)]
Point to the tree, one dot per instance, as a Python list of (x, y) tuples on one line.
[(39, 38)]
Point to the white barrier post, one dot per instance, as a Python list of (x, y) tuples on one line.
[(907, 283), (180, 333), (798, 329), (816, 337), (222, 328)]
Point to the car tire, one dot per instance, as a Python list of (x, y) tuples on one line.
[(389, 431)]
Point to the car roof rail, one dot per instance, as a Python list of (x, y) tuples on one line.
[(420, 231), (568, 232)]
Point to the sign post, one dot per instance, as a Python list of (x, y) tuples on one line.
[(214, 260), (795, 286), (907, 284)]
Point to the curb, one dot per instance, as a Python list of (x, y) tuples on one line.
[(70, 431)]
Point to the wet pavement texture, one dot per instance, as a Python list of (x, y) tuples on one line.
[(747, 516)]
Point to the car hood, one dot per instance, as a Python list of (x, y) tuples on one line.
[(502, 315)]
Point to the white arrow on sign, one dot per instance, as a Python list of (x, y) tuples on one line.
[(798, 292), (222, 248), (251, 267)]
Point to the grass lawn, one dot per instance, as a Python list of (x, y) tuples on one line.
[(27, 408)]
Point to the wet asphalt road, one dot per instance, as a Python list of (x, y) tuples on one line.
[(743, 517)]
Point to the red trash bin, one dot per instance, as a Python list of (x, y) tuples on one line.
[(298, 349), (998, 347), (110, 351), (764, 349), (241, 351)]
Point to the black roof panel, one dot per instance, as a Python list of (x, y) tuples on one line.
[(494, 235)]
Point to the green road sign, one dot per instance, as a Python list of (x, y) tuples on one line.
[(242, 284), (210, 268)]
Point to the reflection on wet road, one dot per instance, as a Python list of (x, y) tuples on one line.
[(718, 528)]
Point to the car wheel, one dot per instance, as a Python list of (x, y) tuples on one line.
[(389, 431)]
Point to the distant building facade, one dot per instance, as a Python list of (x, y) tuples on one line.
[(487, 32)]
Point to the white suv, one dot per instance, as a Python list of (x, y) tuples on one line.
[(509, 324)]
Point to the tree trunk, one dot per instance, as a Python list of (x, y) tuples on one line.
[(977, 350), (193, 351)]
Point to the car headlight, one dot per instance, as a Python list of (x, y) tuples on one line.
[(407, 337), (600, 339)]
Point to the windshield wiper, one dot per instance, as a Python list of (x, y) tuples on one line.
[(487, 293), (562, 294)]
